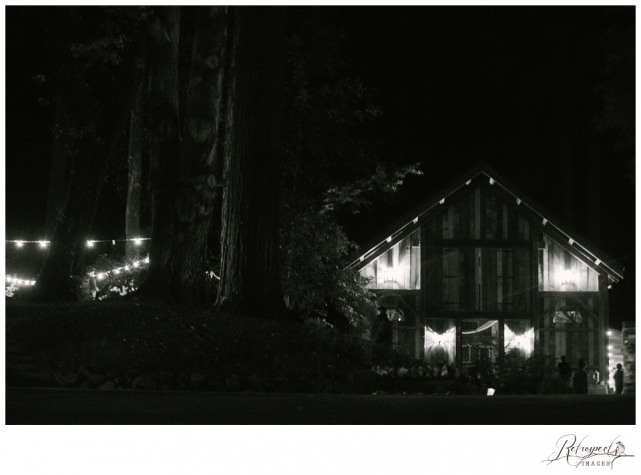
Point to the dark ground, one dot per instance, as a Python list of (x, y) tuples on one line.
[(70, 406)]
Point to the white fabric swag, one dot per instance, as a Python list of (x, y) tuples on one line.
[(485, 326)]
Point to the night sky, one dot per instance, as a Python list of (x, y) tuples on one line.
[(520, 88)]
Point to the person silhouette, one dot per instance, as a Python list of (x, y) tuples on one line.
[(565, 373), (580, 380), (618, 379), (93, 286)]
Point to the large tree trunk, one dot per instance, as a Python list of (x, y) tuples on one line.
[(180, 275), (201, 162), (164, 147), (134, 166), (250, 275)]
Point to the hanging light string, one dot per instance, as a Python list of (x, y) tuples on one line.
[(15, 280), (90, 242), (18, 281), (410, 226)]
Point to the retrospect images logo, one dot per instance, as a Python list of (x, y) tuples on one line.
[(580, 453)]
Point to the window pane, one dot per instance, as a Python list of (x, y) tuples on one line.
[(440, 341), (518, 336), (480, 342), (398, 267)]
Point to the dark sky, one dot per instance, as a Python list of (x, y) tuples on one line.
[(521, 88)]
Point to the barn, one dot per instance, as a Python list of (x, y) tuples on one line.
[(479, 270)]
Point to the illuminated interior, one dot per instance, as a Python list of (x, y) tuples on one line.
[(518, 335), (397, 268), (440, 341), (480, 339)]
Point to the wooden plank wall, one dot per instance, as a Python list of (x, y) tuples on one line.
[(553, 260), (403, 256)]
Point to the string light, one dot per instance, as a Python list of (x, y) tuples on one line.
[(89, 243), (45, 242), (20, 282)]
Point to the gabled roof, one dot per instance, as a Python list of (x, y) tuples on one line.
[(574, 243)]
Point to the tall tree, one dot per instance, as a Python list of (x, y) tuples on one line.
[(164, 142), (186, 173), (97, 106), (134, 163), (250, 269)]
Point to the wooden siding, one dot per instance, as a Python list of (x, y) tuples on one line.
[(554, 261), (398, 267), (481, 257)]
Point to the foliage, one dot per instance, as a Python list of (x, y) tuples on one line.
[(315, 280), (355, 195), (331, 164), (135, 345)]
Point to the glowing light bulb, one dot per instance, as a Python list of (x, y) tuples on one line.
[(116, 271), (609, 332), (89, 243), (19, 244), (147, 259), (43, 244), (126, 267), (609, 347), (136, 263), (137, 241), (100, 276)]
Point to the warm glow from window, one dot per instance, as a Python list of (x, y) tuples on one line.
[(390, 274), (524, 342), (568, 276), (445, 341)]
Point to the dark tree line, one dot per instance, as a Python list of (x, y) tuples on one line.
[(256, 137), (109, 59)]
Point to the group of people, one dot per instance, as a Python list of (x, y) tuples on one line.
[(577, 381)]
